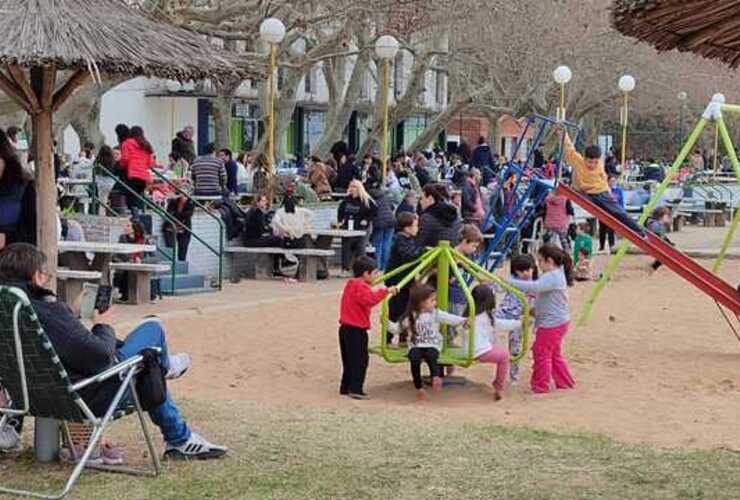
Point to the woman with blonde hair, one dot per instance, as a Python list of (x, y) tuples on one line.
[(356, 213)]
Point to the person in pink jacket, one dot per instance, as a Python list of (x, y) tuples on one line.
[(137, 157)]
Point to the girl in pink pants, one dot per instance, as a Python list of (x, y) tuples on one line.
[(485, 348), (551, 318)]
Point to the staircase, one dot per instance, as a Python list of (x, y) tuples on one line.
[(186, 283)]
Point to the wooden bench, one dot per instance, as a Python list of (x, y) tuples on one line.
[(71, 282), (260, 262), (139, 279)]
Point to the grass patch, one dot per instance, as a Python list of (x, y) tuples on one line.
[(290, 453)]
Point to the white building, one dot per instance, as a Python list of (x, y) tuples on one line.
[(163, 107)]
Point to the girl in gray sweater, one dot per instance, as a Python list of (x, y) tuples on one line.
[(552, 318)]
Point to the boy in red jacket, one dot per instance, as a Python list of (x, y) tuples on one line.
[(358, 299)]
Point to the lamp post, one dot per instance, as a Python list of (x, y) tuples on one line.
[(718, 98), (386, 48), (562, 75), (272, 32), (626, 85)]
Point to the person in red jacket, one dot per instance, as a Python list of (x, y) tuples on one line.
[(358, 299), (137, 157)]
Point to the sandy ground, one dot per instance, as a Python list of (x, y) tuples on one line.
[(657, 364)]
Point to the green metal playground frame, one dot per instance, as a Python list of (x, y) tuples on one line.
[(712, 113)]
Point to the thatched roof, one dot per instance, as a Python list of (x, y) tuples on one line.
[(710, 28), (110, 36)]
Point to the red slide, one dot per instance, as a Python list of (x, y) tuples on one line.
[(676, 261)]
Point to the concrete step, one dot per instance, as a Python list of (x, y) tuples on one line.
[(191, 291), (182, 281)]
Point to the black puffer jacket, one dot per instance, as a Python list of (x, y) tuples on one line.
[(404, 250), (384, 217), (440, 222), (83, 353)]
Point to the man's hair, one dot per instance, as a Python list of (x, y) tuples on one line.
[(592, 152), (228, 153), (481, 140), (210, 148), (363, 265), (19, 262)]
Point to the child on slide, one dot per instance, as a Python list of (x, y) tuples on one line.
[(422, 321), (589, 177), (485, 348), (552, 319)]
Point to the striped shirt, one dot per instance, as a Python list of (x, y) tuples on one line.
[(208, 175)]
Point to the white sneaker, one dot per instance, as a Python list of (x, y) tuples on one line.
[(10, 441), (195, 448), (179, 364)]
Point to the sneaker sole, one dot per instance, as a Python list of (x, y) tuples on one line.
[(209, 455)]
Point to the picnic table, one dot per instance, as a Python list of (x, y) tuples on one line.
[(74, 255)]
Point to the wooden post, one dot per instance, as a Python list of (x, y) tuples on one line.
[(46, 192)]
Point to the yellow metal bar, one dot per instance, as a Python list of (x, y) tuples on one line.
[(624, 246), (271, 131), (730, 148), (625, 119), (562, 102), (470, 355), (731, 108), (385, 98)]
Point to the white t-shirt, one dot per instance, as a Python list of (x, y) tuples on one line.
[(485, 332)]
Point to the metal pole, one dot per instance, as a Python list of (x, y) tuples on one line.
[(625, 119), (271, 130), (562, 102), (385, 98)]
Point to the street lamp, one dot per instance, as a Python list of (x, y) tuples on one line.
[(626, 85), (562, 75), (272, 32), (386, 48), (682, 96)]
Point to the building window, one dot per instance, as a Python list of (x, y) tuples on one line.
[(308, 81), (280, 78), (313, 129), (439, 88), (398, 76)]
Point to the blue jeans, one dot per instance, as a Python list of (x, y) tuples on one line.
[(607, 202), (150, 333), (382, 240)]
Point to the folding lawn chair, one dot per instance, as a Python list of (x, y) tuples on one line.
[(38, 384)]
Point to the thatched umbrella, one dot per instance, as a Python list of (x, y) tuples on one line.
[(90, 37), (709, 28)]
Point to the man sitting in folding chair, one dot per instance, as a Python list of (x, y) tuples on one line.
[(86, 353)]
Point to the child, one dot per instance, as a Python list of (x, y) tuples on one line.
[(558, 211), (605, 232), (552, 319), (584, 267), (358, 299), (425, 343), (403, 251), (589, 177), (659, 224), (470, 239), (485, 348), (584, 242), (523, 267)]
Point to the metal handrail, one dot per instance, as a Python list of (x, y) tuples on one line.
[(221, 227)]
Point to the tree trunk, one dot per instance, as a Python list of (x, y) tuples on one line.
[(86, 123), (438, 125), (339, 120), (222, 107)]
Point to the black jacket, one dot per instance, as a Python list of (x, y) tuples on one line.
[(255, 225), (18, 213), (384, 216), (183, 149), (469, 197), (404, 250), (353, 209), (83, 353), (346, 173), (440, 222)]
